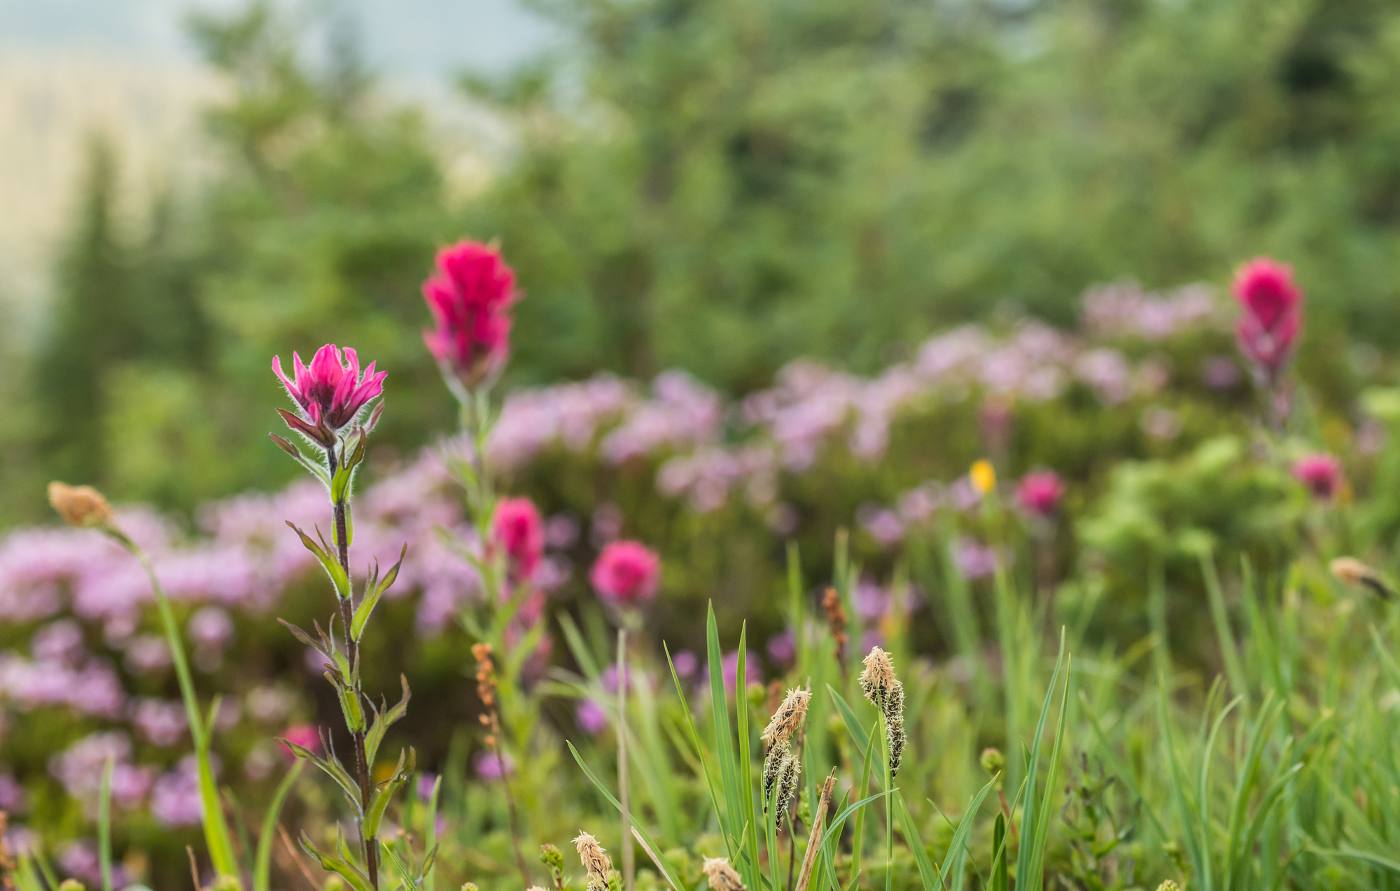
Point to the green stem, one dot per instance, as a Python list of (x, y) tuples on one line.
[(216, 831), (368, 841)]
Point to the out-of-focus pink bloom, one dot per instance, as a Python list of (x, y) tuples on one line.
[(304, 735), (470, 296), (1220, 373), (1272, 313), (626, 573), (591, 716), (518, 531), (1321, 473), (882, 524), (488, 763), (211, 628), (175, 796), (12, 797), (330, 392), (686, 663), (974, 560), (782, 648), (1039, 494), (426, 781)]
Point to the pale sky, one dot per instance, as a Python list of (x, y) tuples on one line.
[(417, 39)]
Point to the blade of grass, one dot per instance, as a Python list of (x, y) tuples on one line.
[(641, 835), (262, 862)]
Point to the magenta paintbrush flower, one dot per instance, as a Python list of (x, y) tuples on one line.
[(470, 296), (1321, 473), (330, 392), (1039, 494), (1272, 313), (518, 530), (626, 573)]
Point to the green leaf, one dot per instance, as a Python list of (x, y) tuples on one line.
[(330, 564), (373, 591), (332, 768), (262, 862), (384, 794), (339, 865), (383, 720)]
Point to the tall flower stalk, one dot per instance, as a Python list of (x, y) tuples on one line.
[(1271, 317), (469, 295), (333, 396), (85, 507)]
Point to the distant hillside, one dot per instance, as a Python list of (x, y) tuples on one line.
[(51, 103)]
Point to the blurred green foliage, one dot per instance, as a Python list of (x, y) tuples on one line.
[(722, 186)]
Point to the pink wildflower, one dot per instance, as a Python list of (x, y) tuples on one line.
[(1272, 317), (470, 297), (518, 530), (626, 573), (1039, 494), (330, 392), (1321, 473)]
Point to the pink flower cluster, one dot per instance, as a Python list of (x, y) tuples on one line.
[(330, 392), (1271, 314), (470, 295), (626, 574), (1320, 473)]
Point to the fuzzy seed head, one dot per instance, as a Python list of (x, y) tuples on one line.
[(79, 505), (788, 719), (885, 692), (878, 677), (720, 875), (1351, 571), (1168, 885), (595, 861)]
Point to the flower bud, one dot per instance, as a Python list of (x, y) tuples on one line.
[(992, 760), (81, 506)]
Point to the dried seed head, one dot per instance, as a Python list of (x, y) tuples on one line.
[(1351, 571), (79, 505), (485, 675), (885, 692), (721, 875), (836, 622), (596, 864), (787, 720)]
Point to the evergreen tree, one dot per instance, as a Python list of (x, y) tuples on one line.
[(90, 329)]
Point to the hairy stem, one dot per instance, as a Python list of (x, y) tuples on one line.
[(352, 654)]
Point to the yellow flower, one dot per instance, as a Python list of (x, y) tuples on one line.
[(983, 475)]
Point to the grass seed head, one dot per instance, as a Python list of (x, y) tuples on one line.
[(885, 692), (596, 864), (720, 875), (787, 720)]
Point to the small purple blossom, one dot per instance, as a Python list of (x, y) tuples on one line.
[(592, 718)]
